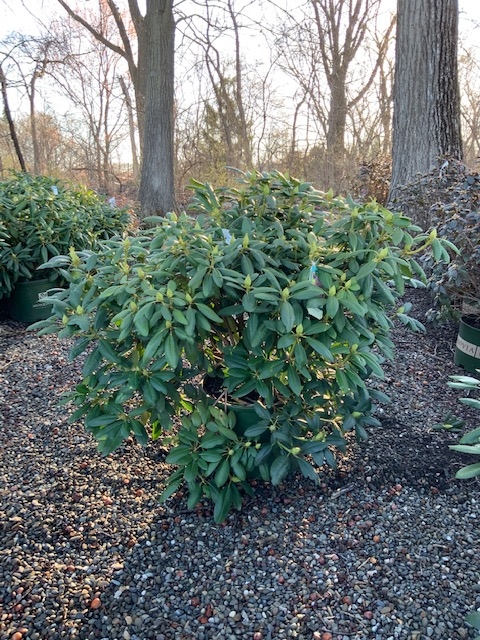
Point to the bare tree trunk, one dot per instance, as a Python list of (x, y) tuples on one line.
[(33, 130), (325, 46), (246, 145), (131, 127), (157, 187), (151, 72), (426, 116), (336, 126), (11, 125)]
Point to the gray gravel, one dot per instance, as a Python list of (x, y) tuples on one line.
[(388, 547)]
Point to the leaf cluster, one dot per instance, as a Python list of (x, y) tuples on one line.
[(272, 287), (448, 198), (41, 217), (470, 442)]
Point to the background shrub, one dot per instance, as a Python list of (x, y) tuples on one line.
[(41, 217)]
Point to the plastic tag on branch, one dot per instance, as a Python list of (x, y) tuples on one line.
[(314, 274), (227, 235)]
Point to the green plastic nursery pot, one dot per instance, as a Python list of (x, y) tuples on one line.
[(25, 300), (246, 417), (467, 348)]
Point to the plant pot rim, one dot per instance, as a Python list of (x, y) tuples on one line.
[(470, 320), (31, 280)]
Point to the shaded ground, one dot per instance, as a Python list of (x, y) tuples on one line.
[(385, 549), (404, 448)]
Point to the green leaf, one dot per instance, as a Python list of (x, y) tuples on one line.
[(263, 454), (466, 448), (179, 317), (92, 362), (194, 495), (286, 341), (228, 433), (239, 471), (279, 469), (366, 269), (79, 347), (152, 348), (262, 412), (174, 481), (471, 402), (222, 474), (179, 455), (316, 313), (197, 278), (140, 432), (301, 358), (103, 420), (171, 351), (472, 437), (473, 619), (208, 312), (142, 317), (255, 430), (342, 380), (223, 504), (191, 471), (350, 303), (107, 351), (307, 470), (320, 348), (470, 471), (360, 433), (372, 361), (287, 315), (294, 381), (332, 306), (270, 369), (330, 459), (249, 302), (211, 456)]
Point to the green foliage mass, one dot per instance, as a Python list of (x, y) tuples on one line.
[(272, 288), (41, 217), (470, 442)]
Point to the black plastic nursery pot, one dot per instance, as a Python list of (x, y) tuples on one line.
[(467, 348), (25, 302)]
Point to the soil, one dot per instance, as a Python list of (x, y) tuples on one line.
[(406, 448)]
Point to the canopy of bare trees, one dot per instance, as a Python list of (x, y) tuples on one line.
[(138, 98)]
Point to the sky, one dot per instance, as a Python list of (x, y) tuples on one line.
[(14, 16)]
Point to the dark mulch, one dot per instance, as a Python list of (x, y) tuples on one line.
[(406, 448)]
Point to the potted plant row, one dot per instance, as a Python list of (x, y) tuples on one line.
[(41, 218), (270, 288)]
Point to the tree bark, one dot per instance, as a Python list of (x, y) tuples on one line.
[(157, 186), (11, 124), (131, 127), (426, 115), (152, 77)]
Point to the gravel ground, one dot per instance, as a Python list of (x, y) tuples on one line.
[(387, 547)]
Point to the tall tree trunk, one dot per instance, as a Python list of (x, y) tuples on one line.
[(426, 115), (11, 124), (131, 127), (336, 126), (37, 164), (157, 186), (152, 77), (246, 145)]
